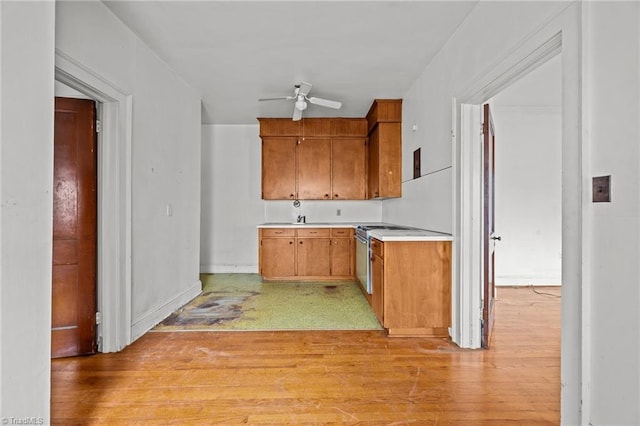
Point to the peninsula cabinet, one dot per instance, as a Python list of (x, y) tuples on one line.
[(412, 287), (306, 254)]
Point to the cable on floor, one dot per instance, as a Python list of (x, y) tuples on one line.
[(542, 293)]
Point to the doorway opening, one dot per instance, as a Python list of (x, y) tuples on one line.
[(114, 111), (528, 178), (469, 280)]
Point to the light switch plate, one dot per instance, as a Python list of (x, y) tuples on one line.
[(602, 189)]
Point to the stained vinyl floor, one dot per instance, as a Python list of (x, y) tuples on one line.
[(242, 302)]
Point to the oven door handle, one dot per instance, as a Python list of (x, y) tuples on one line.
[(360, 239)]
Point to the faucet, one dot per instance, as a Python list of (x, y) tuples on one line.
[(301, 219)]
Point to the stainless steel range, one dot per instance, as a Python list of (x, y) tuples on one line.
[(363, 252)]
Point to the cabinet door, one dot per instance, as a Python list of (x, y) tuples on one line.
[(277, 257), (374, 163), (390, 159), (377, 283), (341, 261), (314, 256), (348, 169), (314, 169), (278, 168)]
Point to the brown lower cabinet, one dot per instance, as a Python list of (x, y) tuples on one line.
[(412, 287), (306, 254)]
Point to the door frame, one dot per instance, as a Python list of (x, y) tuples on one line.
[(561, 34), (467, 184), (114, 110)]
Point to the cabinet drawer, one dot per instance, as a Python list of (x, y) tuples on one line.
[(377, 247), (278, 232), (341, 232), (313, 232)]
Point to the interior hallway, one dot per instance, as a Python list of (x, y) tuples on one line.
[(324, 377)]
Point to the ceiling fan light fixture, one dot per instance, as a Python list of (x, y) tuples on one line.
[(301, 104)]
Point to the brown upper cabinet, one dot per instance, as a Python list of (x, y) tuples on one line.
[(384, 123), (333, 158), (314, 158), (348, 168)]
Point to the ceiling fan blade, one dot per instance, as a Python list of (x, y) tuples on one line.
[(325, 102), (288, 98), (305, 88), (297, 114)]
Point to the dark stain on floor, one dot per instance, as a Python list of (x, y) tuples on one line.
[(210, 309)]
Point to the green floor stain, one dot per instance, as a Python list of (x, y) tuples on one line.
[(244, 302)]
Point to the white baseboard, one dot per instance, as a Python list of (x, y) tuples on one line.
[(228, 269), (151, 318)]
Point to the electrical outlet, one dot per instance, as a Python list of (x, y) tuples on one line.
[(338, 212)]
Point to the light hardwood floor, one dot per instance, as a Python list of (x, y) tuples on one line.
[(324, 377)]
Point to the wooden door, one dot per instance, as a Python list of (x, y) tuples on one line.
[(279, 168), (341, 257), (313, 256), (73, 329), (314, 169), (348, 171), (277, 257), (488, 237)]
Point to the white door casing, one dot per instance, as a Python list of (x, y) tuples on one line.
[(114, 199)]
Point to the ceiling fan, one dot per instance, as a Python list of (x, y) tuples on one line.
[(300, 96)]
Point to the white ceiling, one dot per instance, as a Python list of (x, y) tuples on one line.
[(234, 52)]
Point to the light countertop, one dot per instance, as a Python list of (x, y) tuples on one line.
[(317, 224), (380, 234), (409, 235)]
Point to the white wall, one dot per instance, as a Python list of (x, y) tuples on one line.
[(232, 204), (165, 156), (613, 126), (528, 195), (427, 201), (26, 203)]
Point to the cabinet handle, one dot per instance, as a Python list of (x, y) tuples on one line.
[(300, 242), (290, 242), (290, 195), (279, 232), (335, 196), (326, 196)]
